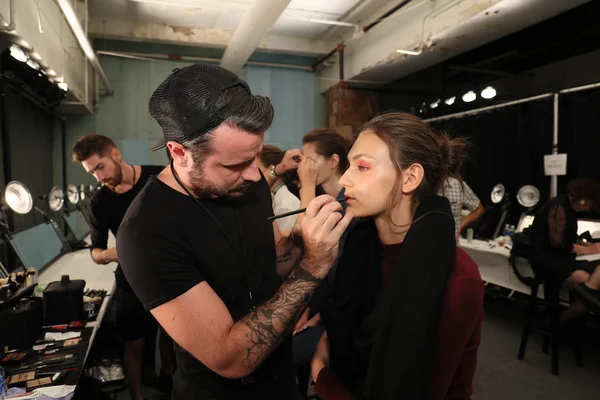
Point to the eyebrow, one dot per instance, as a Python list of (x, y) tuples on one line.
[(249, 160), (362, 155), (91, 171)]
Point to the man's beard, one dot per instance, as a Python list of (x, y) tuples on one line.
[(203, 189), (117, 179)]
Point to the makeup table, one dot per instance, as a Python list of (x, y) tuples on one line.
[(79, 265), (495, 269)]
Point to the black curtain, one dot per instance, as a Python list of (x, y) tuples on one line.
[(579, 134), (507, 146), (579, 137)]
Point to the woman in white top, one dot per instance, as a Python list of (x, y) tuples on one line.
[(324, 161), (283, 199)]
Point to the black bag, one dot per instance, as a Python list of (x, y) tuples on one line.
[(21, 324), (63, 301)]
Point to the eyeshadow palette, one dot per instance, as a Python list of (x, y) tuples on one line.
[(32, 384), (13, 357), (22, 377)]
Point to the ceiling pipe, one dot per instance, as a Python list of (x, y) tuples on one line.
[(384, 16), (84, 43), (11, 24), (365, 30), (253, 28), (170, 57), (340, 50)]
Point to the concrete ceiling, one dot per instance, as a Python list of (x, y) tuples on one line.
[(435, 29), (212, 23)]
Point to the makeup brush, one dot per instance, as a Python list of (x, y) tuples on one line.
[(287, 214)]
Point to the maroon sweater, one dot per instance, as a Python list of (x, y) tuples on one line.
[(459, 333)]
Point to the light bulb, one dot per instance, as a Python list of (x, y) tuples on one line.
[(469, 96), (435, 104), (409, 52), (450, 101), (488, 93)]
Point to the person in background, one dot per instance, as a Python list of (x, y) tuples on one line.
[(121, 182), (324, 160), (283, 200), (555, 244), (461, 197), (404, 320)]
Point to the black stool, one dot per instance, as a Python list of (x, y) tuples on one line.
[(551, 302)]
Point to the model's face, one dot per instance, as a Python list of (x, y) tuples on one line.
[(370, 178), (231, 165), (324, 165), (107, 170)]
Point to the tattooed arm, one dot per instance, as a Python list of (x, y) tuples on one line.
[(199, 321), (289, 252)]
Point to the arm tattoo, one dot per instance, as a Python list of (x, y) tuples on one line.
[(268, 324), (284, 258)]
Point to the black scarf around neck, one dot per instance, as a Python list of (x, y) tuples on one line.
[(383, 341)]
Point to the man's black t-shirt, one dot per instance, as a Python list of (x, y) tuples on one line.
[(107, 209), (168, 244)]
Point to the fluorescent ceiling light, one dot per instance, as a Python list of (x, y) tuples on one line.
[(469, 96), (321, 21), (18, 53), (67, 10), (410, 52), (488, 93), (450, 101)]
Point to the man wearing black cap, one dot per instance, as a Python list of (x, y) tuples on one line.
[(201, 255)]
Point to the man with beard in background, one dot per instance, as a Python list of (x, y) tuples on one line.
[(121, 182)]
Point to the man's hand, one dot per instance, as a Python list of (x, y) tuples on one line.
[(302, 320), (308, 172), (322, 229), (291, 160), (311, 323), (103, 257)]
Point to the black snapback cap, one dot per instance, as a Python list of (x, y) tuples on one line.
[(185, 104)]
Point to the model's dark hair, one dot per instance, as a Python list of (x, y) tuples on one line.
[(328, 142)]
